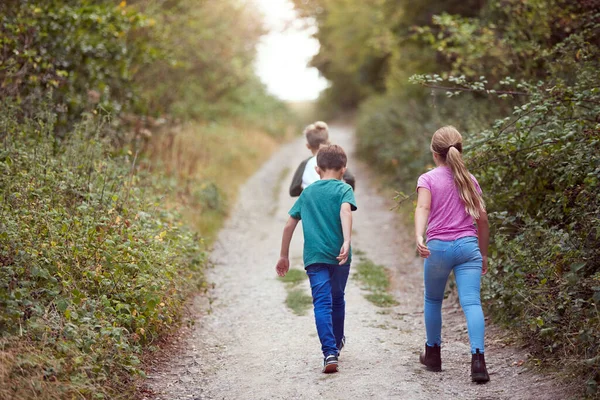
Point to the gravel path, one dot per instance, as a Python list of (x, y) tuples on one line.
[(248, 345)]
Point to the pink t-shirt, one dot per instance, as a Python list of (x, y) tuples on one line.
[(448, 219)]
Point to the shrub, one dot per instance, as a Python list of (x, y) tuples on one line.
[(82, 52), (92, 266)]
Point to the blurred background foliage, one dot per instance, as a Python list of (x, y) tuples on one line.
[(519, 78), (119, 120)]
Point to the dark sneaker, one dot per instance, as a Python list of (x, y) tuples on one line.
[(342, 344), (330, 364)]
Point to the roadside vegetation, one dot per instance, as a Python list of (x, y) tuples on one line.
[(374, 278), (297, 300), (520, 80), (126, 129)]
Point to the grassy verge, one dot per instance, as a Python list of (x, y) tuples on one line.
[(297, 300), (374, 278), (294, 277), (207, 164), (93, 266)]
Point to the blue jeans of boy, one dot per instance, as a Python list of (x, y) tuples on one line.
[(327, 283), (464, 258)]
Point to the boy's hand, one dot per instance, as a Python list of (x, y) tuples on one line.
[(344, 253), (283, 266)]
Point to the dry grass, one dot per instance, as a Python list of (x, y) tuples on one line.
[(26, 372), (200, 155)]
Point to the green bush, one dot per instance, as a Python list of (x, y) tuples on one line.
[(543, 187), (85, 53), (92, 266)]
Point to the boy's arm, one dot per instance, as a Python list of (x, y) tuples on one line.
[(296, 185), (421, 216), (346, 218), (283, 265), (349, 179)]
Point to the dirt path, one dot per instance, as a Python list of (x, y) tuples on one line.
[(250, 346)]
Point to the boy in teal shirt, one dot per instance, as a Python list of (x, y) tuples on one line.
[(325, 208)]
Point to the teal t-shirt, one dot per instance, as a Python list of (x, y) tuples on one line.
[(319, 209)]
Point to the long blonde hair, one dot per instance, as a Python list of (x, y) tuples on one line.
[(447, 143)]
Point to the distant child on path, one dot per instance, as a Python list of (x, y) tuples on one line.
[(325, 207), (316, 134), (449, 200)]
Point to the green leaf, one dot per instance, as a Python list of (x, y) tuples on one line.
[(577, 266), (62, 305)]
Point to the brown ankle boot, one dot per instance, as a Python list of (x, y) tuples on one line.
[(432, 358), (479, 372)]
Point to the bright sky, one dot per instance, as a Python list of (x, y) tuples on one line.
[(283, 55)]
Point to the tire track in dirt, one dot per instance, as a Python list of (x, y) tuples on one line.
[(250, 346)]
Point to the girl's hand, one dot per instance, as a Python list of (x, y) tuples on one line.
[(422, 247), (283, 266), (484, 267), (344, 253)]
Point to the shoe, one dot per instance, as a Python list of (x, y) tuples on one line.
[(432, 358), (330, 364), (342, 344), (479, 372)]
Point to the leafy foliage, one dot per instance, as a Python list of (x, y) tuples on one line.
[(206, 68), (91, 265), (84, 53), (520, 79), (541, 168), (182, 59)]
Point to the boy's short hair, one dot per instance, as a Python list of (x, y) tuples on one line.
[(331, 156), (317, 134)]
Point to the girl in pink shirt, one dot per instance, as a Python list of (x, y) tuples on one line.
[(450, 205)]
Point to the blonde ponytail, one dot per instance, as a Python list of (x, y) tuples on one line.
[(447, 143)]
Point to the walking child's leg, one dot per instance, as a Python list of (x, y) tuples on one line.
[(339, 278), (320, 284), (468, 281), (436, 271)]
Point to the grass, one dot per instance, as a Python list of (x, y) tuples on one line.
[(381, 299), (294, 276), (208, 163), (298, 301), (93, 268), (374, 278)]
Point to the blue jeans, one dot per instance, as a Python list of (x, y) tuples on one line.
[(464, 258), (327, 283)]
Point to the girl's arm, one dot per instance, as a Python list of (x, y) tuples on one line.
[(346, 218), (421, 217), (483, 236), (283, 265)]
